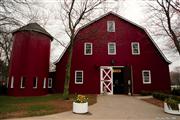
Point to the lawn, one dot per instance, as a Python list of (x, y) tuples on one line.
[(11, 107)]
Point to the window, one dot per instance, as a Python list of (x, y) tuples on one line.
[(135, 48), (12, 82), (110, 26), (23, 80), (88, 49), (146, 74), (35, 82), (79, 77), (44, 83), (111, 48), (49, 82)]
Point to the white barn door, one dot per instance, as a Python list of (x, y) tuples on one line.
[(106, 74)]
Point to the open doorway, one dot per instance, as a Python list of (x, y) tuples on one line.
[(118, 81)]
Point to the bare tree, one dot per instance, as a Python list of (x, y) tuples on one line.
[(175, 76), (13, 14), (74, 12), (165, 16)]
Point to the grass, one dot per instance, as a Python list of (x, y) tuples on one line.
[(13, 107)]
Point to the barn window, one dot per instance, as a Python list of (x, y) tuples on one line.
[(111, 48), (111, 26), (23, 80), (88, 49), (146, 75), (44, 83), (135, 48), (78, 77), (49, 82), (35, 82), (12, 82)]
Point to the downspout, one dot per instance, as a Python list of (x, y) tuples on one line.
[(132, 87)]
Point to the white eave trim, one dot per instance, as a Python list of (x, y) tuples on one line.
[(123, 19)]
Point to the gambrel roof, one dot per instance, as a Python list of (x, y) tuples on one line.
[(115, 14)]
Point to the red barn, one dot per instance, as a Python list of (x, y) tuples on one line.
[(115, 56), (29, 65)]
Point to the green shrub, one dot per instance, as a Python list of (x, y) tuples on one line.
[(173, 104), (3, 90), (145, 93), (160, 96), (176, 91)]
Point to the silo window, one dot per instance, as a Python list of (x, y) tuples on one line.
[(49, 82), (23, 82), (35, 82), (12, 82), (44, 83)]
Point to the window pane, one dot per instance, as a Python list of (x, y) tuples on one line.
[(79, 76), (35, 82), (111, 48), (135, 48), (111, 26), (23, 81), (146, 76), (49, 82), (88, 48)]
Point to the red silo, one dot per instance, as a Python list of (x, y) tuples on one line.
[(29, 65)]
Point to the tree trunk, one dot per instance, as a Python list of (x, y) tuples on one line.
[(68, 72)]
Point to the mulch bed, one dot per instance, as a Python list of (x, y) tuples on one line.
[(154, 101)]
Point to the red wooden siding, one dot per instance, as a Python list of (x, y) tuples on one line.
[(96, 33), (29, 58)]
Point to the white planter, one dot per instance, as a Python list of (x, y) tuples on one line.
[(80, 107), (168, 109)]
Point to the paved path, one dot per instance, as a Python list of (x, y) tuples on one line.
[(115, 107)]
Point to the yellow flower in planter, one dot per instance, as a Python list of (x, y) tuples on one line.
[(81, 99)]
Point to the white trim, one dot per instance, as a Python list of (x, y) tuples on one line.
[(114, 44), (12, 82), (123, 19), (108, 24), (49, 82), (132, 49), (36, 79), (22, 80), (44, 83), (149, 72), (82, 76), (85, 44)]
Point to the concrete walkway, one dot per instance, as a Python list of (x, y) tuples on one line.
[(115, 107)]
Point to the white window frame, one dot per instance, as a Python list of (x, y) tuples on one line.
[(44, 83), (108, 24), (132, 49), (85, 44), (109, 48), (36, 78), (12, 82), (82, 76), (49, 81), (21, 86), (144, 82)]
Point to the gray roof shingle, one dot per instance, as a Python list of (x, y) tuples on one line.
[(33, 27)]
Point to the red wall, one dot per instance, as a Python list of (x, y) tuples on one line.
[(29, 58), (96, 33)]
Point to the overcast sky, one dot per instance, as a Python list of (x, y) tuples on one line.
[(133, 10)]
